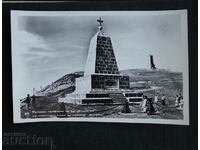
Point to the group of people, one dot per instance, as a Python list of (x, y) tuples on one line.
[(179, 100), (163, 99), (147, 105)]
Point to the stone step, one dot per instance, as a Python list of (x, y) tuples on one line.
[(118, 97)]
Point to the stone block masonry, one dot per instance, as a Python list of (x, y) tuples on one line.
[(105, 57), (110, 81)]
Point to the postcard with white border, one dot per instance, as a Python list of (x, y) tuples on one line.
[(100, 66)]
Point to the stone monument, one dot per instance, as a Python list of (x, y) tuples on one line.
[(102, 82)]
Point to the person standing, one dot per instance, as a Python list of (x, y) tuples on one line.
[(144, 104), (27, 101), (177, 101), (150, 108), (163, 100), (181, 102), (156, 98), (180, 97), (126, 108)]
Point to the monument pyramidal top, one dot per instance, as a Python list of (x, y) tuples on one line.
[(101, 58)]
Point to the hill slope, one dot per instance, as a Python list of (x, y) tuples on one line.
[(162, 78), (170, 81), (63, 85)]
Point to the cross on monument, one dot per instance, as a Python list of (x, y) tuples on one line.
[(100, 21)]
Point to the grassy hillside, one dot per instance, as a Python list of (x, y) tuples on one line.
[(171, 83)]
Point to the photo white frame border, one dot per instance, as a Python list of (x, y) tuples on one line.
[(184, 39)]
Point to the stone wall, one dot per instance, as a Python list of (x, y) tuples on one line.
[(105, 57), (124, 82), (98, 81)]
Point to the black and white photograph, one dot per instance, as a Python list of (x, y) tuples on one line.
[(100, 66)]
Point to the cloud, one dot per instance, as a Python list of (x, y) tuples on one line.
[(29, 40), (31, 46)]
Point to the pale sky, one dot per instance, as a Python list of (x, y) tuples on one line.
[(48, 47)]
